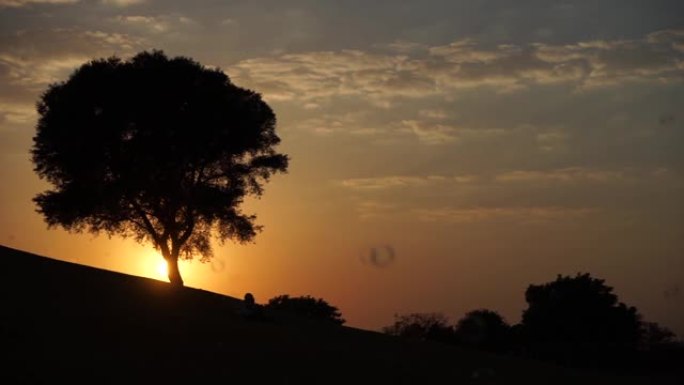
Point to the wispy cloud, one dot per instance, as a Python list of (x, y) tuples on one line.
[(123, 3), (367, 210), (391, 182), (156, 24), (583, 176), (438, 133), (22, 3), (657, 57), (538, 214), (16, 113), (562, 176), (551, 140), (313, 75), (565, 175), (36, 58)]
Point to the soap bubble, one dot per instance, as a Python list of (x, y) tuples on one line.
[(379, 256), (217, 265)]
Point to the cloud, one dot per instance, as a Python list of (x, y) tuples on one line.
[(30, 60), (18, 113), (123, 3), (438, 70), (313, 75), (562, 176), (581, 175), (551, 140), (565, 175), (392, 182), (528, 215), (28, 72), (439, 133), (657, 57), (22, 3), (156, 24), (367, 210), (433, 113), (33, 59), (347, 122), (429, 133)]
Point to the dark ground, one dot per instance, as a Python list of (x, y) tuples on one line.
[(67, 323)]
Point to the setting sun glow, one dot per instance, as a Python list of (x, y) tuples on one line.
[(445, 155), (162, 269)]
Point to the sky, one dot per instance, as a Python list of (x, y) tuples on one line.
[(444, 154)]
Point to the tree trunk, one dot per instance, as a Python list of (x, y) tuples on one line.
[(174, 273)]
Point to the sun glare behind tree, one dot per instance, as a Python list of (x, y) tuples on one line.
[(162, 269)]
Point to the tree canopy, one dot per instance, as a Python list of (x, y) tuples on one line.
[(308, 307), (421, 326), (579, 317), (161, 149), (575, 321), (484, 329)]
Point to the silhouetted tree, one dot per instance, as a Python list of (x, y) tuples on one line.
[(422, 326), (661, 351), (484, 329), (578, 320), (654, 335), (160, 149), (307, 307)]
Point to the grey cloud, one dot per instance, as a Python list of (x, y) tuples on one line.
[(438, 133), (30, 60), (562, 176), (166, 24), (565, 175), (123, 3), (524, 196), (527, 215), (369, 210), (403, 181), (22, 3), (464, 64)]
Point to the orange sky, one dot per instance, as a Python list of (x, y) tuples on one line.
[(488, 146)]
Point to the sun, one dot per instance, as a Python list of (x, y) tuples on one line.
[(162, 269)]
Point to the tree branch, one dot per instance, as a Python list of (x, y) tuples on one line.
[(147, 225)]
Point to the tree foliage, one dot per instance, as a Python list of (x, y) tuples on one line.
[(579, 319), (308, 307), (421, 326), (484, 329), (574, 321), (160, 149)]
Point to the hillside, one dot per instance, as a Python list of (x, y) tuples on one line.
[(62, 322)]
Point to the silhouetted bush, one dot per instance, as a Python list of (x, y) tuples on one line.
[(484, 329), (307, 307), (579, 321), (422, 326)]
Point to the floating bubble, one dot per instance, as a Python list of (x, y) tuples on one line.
[(217, 265), (379, 256), (672, 292), (666, 119)]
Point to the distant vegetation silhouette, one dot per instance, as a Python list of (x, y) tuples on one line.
[(574, 321), (484, 329), (160, 149), (308, 307), (422, 326), (579, 320)]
